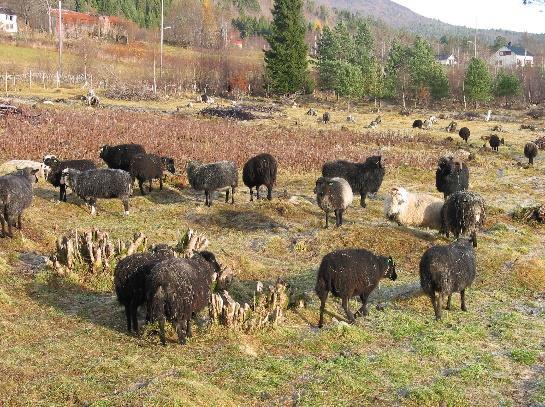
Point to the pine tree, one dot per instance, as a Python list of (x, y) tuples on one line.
[(478, 82), (506, 85), (286, 60), (397, 71)]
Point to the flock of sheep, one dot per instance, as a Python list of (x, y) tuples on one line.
[(174, 289)]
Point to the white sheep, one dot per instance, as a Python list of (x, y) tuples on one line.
[(413, 209), (14, 165)]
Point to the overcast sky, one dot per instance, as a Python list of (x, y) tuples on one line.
[(507, 14)]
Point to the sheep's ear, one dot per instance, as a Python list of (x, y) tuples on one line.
[(391, 261), (35, 171)]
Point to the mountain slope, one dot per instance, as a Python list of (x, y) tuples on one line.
[(401, 17)]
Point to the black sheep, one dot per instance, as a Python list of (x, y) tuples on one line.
[(147, 167), (130, 282), (15, 196), (530, 152), (417, 124), (120, 156), (178, 288), (326, 117), (363, 177), (464, 133), (57, 167), (495, 142), (447, 269), (260, 170), (451, 176), (351, 272), (463, 214)]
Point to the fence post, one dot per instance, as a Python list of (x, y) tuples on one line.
[(58, 80), (43, 79), (30, 79), (6, 83)]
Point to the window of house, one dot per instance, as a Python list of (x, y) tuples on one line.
[(10, 18), (504, 53)]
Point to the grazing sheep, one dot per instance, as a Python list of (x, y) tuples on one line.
[(350, 119), (351, 272), (57, 167), (312, 112), (413, 209), (363, 177), (374, 124), (13, 165), (119, 157), (451, 128), (214, 176), (418, 124), (326, 117), (130, 282), (147, 167), (452, 175), (333, 195), (432, 119), (463, 214), (497, 127), (426, 125), (445, 270), (464, 133), (207, 99), (530, 152), (495, 142), (179, 288), (260, 170), (15, 196), (99, 183)]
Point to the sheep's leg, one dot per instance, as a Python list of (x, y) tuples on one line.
[(346, 308), (363, 310), (227, 196), (232, 195), (269, 192), (189, 330), (128, 316), (161, 182), (19, 222), (257, 192), (463, 299), (126, 205), (134, 316), (181, 331), (437, 305), (62, 193), (326, 220), (141, 186), (337, 218), (3, 225), (323, 299), (449, 301), (251, 194), (363, 195), (207, 198), (162, 329), (150, 186)]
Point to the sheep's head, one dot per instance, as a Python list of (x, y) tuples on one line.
[(29, 173), (396, 203), (322, 186), (50, 160), (103, 150), (67, 175), (391, 269), (374, 162), (168, 164)]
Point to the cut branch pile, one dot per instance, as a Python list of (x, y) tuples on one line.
[(540, 142), (532, 214), (233, 113), (267, 309), (9, 109), (92, 250)]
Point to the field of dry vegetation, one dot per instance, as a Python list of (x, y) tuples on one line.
[(63, 339)]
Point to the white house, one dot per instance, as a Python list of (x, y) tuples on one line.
[(512, 56), (8, 20), (447, 59)]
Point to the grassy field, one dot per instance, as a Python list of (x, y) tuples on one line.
[(63, 339)]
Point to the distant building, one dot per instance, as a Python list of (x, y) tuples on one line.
[(8, 20), (512, 56), (76, 25), (447, 59)]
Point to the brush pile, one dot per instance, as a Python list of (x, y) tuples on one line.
[(531, 214), (233, 113)]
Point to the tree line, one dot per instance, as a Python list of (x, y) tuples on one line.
[(347, 65)]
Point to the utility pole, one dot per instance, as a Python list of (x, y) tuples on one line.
[(60, 36), (162, 31)]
